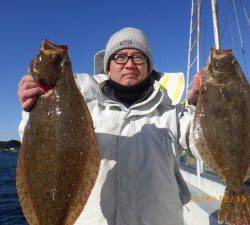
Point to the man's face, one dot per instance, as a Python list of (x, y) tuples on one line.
[(128, 73)]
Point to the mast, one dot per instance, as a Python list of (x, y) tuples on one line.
[(194, 58), (194, 43), (214, 4)]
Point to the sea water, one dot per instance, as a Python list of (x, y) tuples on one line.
[(10, 209)]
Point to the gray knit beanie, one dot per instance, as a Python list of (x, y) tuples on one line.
[(128, 37)]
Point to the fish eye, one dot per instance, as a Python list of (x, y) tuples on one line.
[(56, 59)]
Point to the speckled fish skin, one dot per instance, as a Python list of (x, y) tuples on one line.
[(59, 159), (221, 132)]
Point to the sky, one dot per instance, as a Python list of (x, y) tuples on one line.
[(85, 26)]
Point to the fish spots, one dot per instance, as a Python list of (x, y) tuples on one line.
[(221, 125), (47, 93), (226, 95), (53, 193), (58, 111), (59, 154), (233, 150)]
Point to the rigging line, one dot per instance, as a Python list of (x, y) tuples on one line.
[(242, 46), (238, 27), (229, 23), (227, 17), (205, 29), (244, 56), (245, 12), (231, 31)]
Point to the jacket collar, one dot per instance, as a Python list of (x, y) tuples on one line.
[(147, 106)]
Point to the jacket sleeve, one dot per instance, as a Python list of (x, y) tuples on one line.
[(85, 84), (22, 125), (185, 125)]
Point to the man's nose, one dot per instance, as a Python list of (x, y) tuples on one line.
[(130, 64)]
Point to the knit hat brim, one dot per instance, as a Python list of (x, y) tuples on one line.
[(128, 37)]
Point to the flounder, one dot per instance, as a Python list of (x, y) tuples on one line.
[(222, 132), (59, 159)]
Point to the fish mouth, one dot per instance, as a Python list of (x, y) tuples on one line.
[(45, 88), (48, 48), (220, 54)]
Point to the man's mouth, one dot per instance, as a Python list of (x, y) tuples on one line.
[(130, 75)]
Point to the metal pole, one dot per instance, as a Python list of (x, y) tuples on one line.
[(198, 169), (198, 35), (189, 51), (214, 4)]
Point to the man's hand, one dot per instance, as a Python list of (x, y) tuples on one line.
[(194, 93), (28, 91)]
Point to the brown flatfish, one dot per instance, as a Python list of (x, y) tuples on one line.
[(59, 158), (221, 132)]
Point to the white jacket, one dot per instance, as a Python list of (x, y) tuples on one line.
[(139, 182)]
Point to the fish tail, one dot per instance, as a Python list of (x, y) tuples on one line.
[(235, 209)]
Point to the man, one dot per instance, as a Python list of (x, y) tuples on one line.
[(139, 133)]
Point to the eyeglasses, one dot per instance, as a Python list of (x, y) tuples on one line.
[(123, 59)]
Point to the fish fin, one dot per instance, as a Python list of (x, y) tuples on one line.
[(235, 209), (25, 197)]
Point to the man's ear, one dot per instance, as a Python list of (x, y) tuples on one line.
[(108, 69), (108, 74)]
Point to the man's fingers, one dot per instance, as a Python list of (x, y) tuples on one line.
[(25, 86), (28, 85), (30, 93), (33, 92), (198, 79), (27, 105), (26, 78), (28, 97), (197, 82), (193, 94)]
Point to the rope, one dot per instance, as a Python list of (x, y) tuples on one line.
[(231, 31), (230, 24), (244, 56), (204, 43), (238, 27), (245, 12), (227, 17), (242, 46)]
